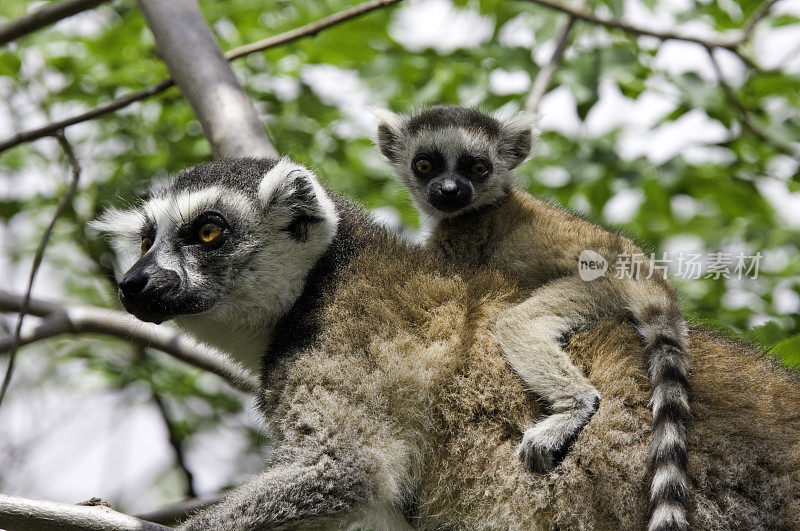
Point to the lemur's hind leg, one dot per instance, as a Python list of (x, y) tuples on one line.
[(530, 335)]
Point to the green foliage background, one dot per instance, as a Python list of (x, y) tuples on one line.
[(60, 72)]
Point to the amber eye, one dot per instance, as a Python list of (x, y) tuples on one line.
[(209, 232), (423, 166), (479, 168), (146, 244)]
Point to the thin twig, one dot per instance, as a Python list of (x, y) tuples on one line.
[(747, 33), (66, 199), (757, 16), (115, 104), (62, 319), (175, 440), (104, 108), (309, 29), (39, 515), (44, 16), (733, 44), (744, 114), (545, 75), (664, 35)]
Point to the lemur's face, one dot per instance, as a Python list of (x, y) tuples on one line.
[(450, 169), (452, 159), (208, 241)]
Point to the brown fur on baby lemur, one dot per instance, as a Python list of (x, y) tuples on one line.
[(406, 362), (384, 387)]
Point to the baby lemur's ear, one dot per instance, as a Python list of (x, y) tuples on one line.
[(293, 193), (516, 137), (390, 126)]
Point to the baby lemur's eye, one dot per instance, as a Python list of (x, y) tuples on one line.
[(479, 168), (147, 242), (423, 166), (209, 232)]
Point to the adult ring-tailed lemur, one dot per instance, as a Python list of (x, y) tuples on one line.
[(383, 386)]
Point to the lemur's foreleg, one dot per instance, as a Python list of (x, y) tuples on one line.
[(530, 335)]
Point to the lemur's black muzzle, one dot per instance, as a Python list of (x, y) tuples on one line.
[(450, 193), (149, 292)]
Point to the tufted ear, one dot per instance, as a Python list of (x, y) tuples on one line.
[(516, 137), (292, 191), (390, 125), (119, 223), (124, 229)]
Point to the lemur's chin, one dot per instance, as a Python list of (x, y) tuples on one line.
[(148, 315), (449, 206), (159, 311)]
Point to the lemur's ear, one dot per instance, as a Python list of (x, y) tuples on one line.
[(293, 192), (124, 229), (516, 137), (390, 126), (119, 223)]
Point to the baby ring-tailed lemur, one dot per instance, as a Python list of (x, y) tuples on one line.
[(384, 388), (458, 164)]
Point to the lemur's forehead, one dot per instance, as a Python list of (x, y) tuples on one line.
[(453, 141), (174, 207), (446, 117), (243, 175)]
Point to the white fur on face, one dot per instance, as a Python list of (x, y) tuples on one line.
[(452, 142)]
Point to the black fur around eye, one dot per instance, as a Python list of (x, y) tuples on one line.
[(473, 167), (426, 165)]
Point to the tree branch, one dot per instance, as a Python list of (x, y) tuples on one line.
[(60, 320), (729, 44), (44, 16), (309, 29), (744, 114), (227, 115), (38, 515), (66, 199), (121, 102), (631, 28), (104, 108), (545, 75), (175, 513)]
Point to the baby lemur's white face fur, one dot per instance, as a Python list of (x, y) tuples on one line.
[(454, 159), (206, 242)]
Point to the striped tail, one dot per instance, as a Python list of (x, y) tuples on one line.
[(666, 345)]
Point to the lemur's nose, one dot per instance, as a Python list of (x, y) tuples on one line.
[(449, 188), (134, 284)]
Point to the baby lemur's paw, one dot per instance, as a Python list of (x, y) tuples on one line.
[(544, 445), (540, 452)]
